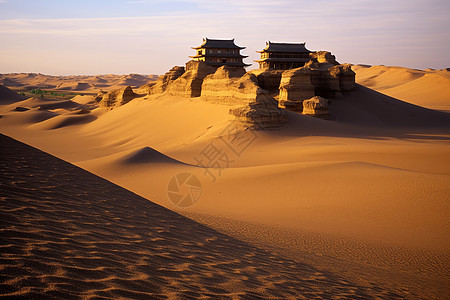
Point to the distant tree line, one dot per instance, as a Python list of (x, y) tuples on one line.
[(41, 93)]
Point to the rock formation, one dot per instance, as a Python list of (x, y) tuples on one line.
[(321, 76), (260, 114), (323, 57), (295, 86), (315, 106), (268, 79), (163, 81), (190, 83), (230, 85), (146, 89), (117, 97), (346, 76), (100, 95)]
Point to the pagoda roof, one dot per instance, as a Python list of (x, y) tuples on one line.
[(225, 55), (224, 44), (285, 47)]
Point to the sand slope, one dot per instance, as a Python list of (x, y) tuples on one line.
[(9, 96), (65, 233), (76, 83), (428, 88)]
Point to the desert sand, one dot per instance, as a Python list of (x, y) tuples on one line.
[(355, 206), (76, 83), (427, 88)]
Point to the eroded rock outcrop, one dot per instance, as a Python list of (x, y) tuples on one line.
[(323, 57), (315, 106), (260, 114), (233, 86), (295, 86), (118, 97), (146, 88), (230, 85), (164, 80), (268, 79), (100, 95), (346, 76), (189, 84), (321, 76)]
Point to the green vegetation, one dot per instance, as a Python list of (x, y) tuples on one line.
[(47, 94)]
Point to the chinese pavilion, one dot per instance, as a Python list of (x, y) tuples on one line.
[(218, 53), (283, 56)]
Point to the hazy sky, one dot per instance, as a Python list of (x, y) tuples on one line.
[(150, 36)]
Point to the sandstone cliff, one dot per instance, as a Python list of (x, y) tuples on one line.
[(260, 114), (315, 106), (323, 57), (117, 98), (230, 85), (295, 86), (321, 76), (233, 86), (165, 80), (346, 76), (190, 83), (268, 79)]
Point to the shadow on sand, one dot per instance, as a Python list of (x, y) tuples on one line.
[(68, 233), (365, 113)]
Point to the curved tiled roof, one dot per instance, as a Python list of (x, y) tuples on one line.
[(285, 47), (224, 44), (221, 55), (277, 59)]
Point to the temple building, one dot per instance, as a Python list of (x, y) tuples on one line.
[(217, 53), (283, 56)]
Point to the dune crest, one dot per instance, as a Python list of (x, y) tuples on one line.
[(427, 88), (147, 155)]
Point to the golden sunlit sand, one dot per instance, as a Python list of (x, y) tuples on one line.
[(351, 206)]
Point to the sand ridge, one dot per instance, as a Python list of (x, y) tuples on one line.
[(428, 88), (76, 83)]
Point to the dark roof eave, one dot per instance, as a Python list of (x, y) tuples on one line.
[(225, 55), (284, 51), (285, 47), (207, 47), (279, 59), (218, 44)]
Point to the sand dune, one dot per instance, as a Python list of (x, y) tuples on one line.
[(363, 194), (91, 238), (367, 107), (146, 155), (9, 96), (63, 121), (74, 86), (78, 83), (428, 88)]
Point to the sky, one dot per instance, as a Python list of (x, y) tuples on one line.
[(68, 37)]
